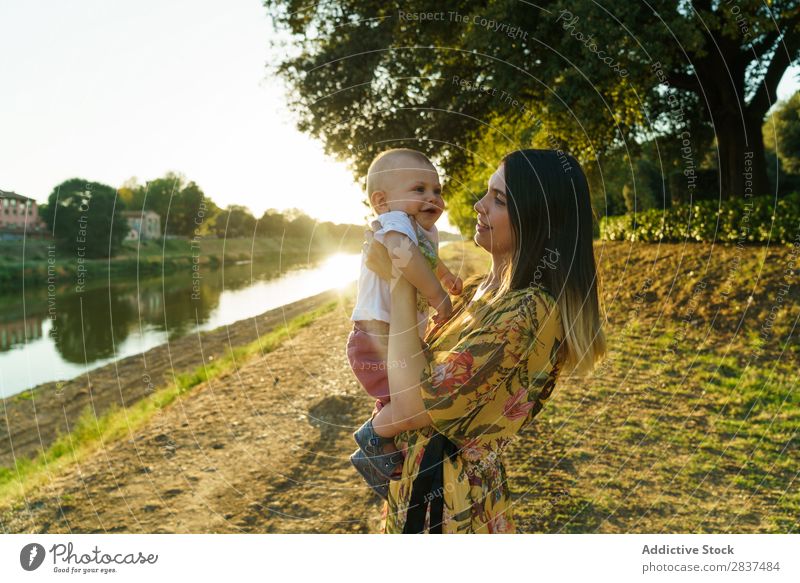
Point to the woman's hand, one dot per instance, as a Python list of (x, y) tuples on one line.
[(378, 259)]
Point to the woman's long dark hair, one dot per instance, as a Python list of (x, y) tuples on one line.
[(551, 221)]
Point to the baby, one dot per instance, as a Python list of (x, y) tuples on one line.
[(404, 191)]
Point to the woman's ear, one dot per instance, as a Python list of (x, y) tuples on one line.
[(378, 201)]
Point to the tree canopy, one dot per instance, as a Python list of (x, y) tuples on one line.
[(473, 80), (86, 218), (182, 206), (784, 136)]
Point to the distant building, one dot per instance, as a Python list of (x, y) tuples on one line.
[(19, 216), (143, 226)]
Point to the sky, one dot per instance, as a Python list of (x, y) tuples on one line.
[(108, 91), (111, 90)]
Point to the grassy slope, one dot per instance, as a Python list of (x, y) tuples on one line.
[(691, 423)]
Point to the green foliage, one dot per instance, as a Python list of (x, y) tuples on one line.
[(300, 225), (782, 142), (754, 220), (705, 181), (646, 190), (781, 182), (271, 224), (783, 127), (607, 178), (183, 207), (486, 77), (466, 184), (188, 210), (86, 218), (235, 221)]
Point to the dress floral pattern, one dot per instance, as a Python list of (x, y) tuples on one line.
[(491, 369)]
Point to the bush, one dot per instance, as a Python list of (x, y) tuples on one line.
[(755, 220)]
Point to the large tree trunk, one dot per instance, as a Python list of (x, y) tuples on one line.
[(742, 163), (737, 126)]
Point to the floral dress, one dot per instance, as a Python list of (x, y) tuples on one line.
[(491, 369)]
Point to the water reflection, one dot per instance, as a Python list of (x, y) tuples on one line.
[(44, 338)]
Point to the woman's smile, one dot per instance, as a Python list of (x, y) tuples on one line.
[(482, 226)]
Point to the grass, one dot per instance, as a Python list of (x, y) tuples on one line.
[(465, 258), (707, 443), (91, 433), (689, 429)]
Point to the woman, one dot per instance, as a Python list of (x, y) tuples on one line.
[(482, 376)]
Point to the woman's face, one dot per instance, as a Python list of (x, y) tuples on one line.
[(493, 231)]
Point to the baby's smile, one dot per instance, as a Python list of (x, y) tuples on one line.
[(429, 208)]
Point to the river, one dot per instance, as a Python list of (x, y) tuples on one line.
[(53, 336)]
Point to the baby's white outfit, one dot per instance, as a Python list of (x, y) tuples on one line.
[(374, 298)]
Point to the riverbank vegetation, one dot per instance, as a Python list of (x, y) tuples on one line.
[(34, 260)]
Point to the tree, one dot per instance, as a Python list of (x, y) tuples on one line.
[(235, 221), (207, 218), (581, 76), (271, 224), (157, 195), (127, 191), (187, 209), (300, 226), (647, 191), (86, 217), (782, 133), (182, 206)]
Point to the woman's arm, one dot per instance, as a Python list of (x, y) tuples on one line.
[(406, 365)]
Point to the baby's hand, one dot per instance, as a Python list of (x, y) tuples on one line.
[(453, 284), (443, 307)]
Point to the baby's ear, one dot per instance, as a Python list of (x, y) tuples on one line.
[(378, 201)]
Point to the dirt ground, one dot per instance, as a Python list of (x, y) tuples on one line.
[(699, 441)]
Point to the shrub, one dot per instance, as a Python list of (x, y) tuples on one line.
[(754, 220)]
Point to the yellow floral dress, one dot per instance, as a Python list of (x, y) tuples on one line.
[(491, 369)]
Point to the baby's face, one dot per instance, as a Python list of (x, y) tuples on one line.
[(414, 188), (428, 217)]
